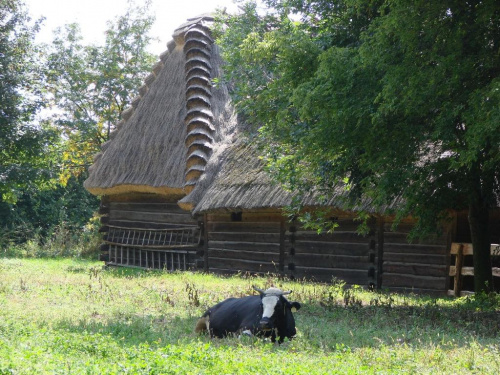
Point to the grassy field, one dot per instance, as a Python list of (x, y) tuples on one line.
[(74, 317)]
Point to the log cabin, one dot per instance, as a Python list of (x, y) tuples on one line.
[(182, 187)]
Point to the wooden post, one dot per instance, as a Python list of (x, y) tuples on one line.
[(380, 250), (205, 243), (457, 285), (282, 246)]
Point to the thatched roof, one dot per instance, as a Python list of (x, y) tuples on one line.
[(182, 137), (164, 140), (235, 180)]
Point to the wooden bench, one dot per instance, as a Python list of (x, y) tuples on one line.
[(460, 250)]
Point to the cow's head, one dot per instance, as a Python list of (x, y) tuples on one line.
[(277, 312)]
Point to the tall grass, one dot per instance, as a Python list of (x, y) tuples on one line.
[(24, 241), (74, 316)]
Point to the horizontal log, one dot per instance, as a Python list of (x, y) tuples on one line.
[(193, 245), (414, 258), (336, 236), (415, 269), (415, 248), (247, 217), (399, 237), (240, 226), (469, 271), (468, 249), (404, 227), (332, 261), (158, 217), (333, 248), (242, 265), (343, 225), (147, 207), (244, 255), (412, 281), (149, 225), (249, 246), (244, 237), (359, 277)]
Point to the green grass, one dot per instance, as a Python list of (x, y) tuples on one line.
[(63, 316)]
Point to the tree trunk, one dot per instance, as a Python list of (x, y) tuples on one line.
[(479, 228)]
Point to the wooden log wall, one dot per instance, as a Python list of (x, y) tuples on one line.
[(343, 254), (420, 267), (243, 242), (148, 232), (262, 242)]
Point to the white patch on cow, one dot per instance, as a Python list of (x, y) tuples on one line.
[(247, 332), (269, 303)]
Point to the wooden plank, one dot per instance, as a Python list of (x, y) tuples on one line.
[(402, 237), (240, 226), (412, 281), (336, 236), (414, 248), (158, 217), (147, 207), (469, 271), (414, 258), (468, 249), (254, 246), (348, 262), (359, 277), (344, 226), (247, 217), (130, 224), (244, 237), (457, 281), (244, 255), (334, 248), (155, 247), (242, 265), (415, 269)]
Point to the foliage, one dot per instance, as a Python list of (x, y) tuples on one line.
[(23, 141), (384, 102), (90, 85), (73, 316), (84, 88), (44, 218)]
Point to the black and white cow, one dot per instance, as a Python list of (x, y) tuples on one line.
[(268, 315)]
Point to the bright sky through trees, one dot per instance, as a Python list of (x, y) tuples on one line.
[(93, 14)]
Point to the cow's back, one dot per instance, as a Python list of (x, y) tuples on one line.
[(233, 315)]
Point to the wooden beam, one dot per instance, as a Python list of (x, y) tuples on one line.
[(281, 265), (468, 250), (205, 243), (380, 250), (457, 284)]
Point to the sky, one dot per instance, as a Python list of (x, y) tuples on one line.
[(93, 14)]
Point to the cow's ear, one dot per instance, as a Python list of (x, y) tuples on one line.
[(294, 306)]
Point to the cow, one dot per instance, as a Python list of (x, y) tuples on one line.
[(269, 314)]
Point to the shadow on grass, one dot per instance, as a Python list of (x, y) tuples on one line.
[(330, 328)]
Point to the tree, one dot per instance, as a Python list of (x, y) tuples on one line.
[(391, 101), (91, 85), (23, 141)]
